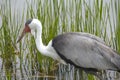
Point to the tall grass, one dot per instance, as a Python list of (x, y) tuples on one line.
[(57, 17), (8, 35), (117, 32)]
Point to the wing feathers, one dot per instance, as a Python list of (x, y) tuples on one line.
[(86, 50)]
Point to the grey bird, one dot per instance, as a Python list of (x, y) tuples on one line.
[(83, 50)]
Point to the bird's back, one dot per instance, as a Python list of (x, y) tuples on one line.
[(86, 50)]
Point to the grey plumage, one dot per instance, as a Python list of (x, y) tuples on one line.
[(28, 21), (83, 50), (86, 51)]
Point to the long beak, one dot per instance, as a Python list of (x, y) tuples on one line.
[(26, 30), (22, 35)]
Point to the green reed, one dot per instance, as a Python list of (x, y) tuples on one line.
[(57, 17), (117, 32)]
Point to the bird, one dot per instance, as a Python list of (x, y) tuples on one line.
[(83, 50)]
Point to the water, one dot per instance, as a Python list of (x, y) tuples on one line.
[(26, 65)]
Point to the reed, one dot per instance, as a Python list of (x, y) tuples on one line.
[(57, 17)]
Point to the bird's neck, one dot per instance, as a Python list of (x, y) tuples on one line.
[(38, 39)]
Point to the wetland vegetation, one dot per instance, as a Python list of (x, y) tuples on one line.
[(22, 61)]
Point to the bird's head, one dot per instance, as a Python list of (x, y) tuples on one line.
[(31, 26)]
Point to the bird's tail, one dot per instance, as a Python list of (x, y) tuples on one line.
[(116, 61)]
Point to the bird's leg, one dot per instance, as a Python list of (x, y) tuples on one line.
[(55, 65)]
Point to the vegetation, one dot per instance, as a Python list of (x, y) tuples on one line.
[(57, 16)]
